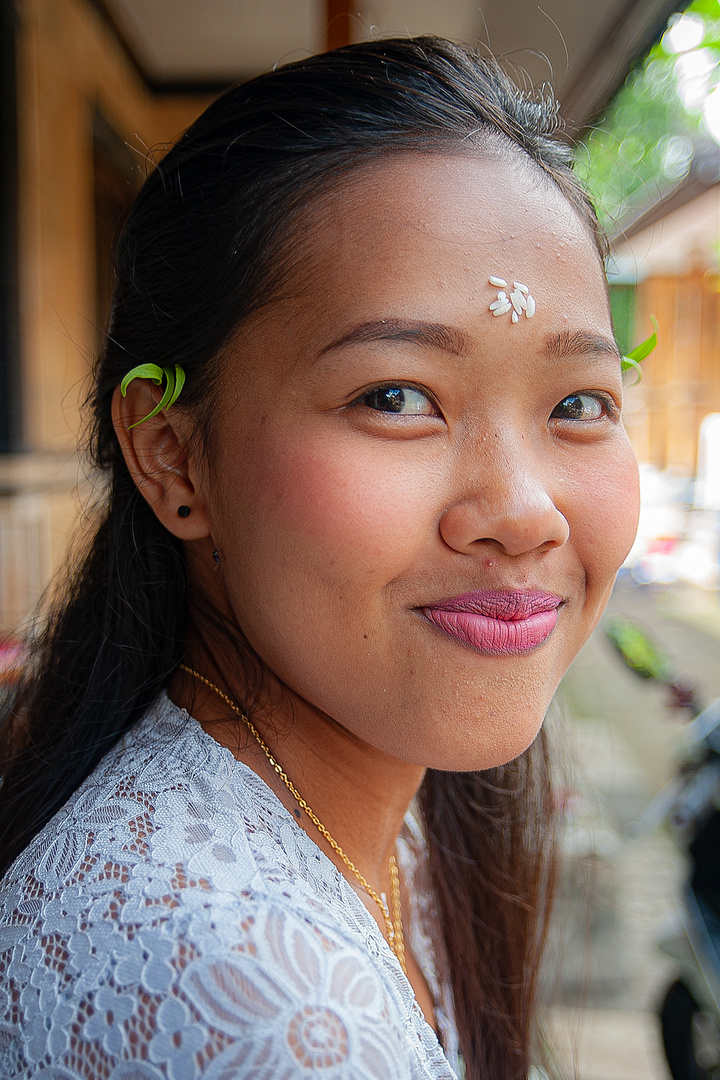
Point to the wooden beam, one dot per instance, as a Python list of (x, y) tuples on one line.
[(338, 14)]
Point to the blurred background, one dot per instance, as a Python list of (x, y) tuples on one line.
[(93, 91)]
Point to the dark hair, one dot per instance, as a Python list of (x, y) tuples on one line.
[(205, 245)]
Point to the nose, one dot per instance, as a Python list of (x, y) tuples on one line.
[(507, 505)]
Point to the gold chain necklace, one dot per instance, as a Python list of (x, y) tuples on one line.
[(393, 924)]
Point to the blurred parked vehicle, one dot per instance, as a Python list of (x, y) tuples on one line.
[(689, 807)]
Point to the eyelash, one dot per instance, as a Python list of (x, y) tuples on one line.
[(395, 390), (399, 391), (610, 409)]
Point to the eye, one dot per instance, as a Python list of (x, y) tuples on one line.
[(405, 400), (582, 407)]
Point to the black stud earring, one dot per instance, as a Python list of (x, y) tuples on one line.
[(183, 511), (216, 557)]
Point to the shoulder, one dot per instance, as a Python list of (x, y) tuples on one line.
[(170, 911), (169, 818), (164, 827), (168, 906), (164, 804), (266, 992)]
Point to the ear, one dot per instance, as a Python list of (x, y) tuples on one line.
[(161, 460)]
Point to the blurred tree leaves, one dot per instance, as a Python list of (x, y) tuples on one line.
[(645, 143)]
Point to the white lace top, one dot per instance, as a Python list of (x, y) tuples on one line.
[(174, 921)]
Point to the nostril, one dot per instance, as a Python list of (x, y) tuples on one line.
[(514, 516)]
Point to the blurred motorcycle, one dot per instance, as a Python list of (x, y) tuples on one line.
[(689, 806)]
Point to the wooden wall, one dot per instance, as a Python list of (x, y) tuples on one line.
[(71, 69), (681, 381)]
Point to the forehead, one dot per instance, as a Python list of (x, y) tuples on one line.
[(444, 222)]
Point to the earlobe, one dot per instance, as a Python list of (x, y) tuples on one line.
[(161, 460)]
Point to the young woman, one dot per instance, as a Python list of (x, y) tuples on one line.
[(269, 808)]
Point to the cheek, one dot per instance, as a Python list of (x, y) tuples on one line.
[(604, 521), (359, 510)]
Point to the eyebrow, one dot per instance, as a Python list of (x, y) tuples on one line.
[(450, 339), (427, 335), (565, 344)]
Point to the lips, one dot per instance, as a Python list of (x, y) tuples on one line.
[(497, 623)]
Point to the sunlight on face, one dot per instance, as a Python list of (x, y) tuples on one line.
[(422, 506)]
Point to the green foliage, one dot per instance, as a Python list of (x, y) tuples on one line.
[(645, 142), (706, 8), (622, 305), (636, 649)]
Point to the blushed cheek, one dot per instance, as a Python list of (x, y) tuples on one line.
[(338, 507), (607, 522), (627, 494)]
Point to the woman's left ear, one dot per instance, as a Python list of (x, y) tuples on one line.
[(161, 460)]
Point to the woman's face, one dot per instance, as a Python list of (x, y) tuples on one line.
[(421, 506)]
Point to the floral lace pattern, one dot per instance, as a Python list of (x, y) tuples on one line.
[(174, 922)]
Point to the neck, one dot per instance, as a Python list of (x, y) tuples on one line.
[(359, 793)]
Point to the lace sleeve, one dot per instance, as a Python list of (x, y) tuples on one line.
[(265, 995)]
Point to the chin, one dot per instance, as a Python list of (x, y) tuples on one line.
[(465, 761), (482, 748), (490, 730)]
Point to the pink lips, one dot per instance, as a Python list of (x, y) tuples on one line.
[(497, 623)]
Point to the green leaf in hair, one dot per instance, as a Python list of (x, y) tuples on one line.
[(636, 356), (179, 383), (174, 379)]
